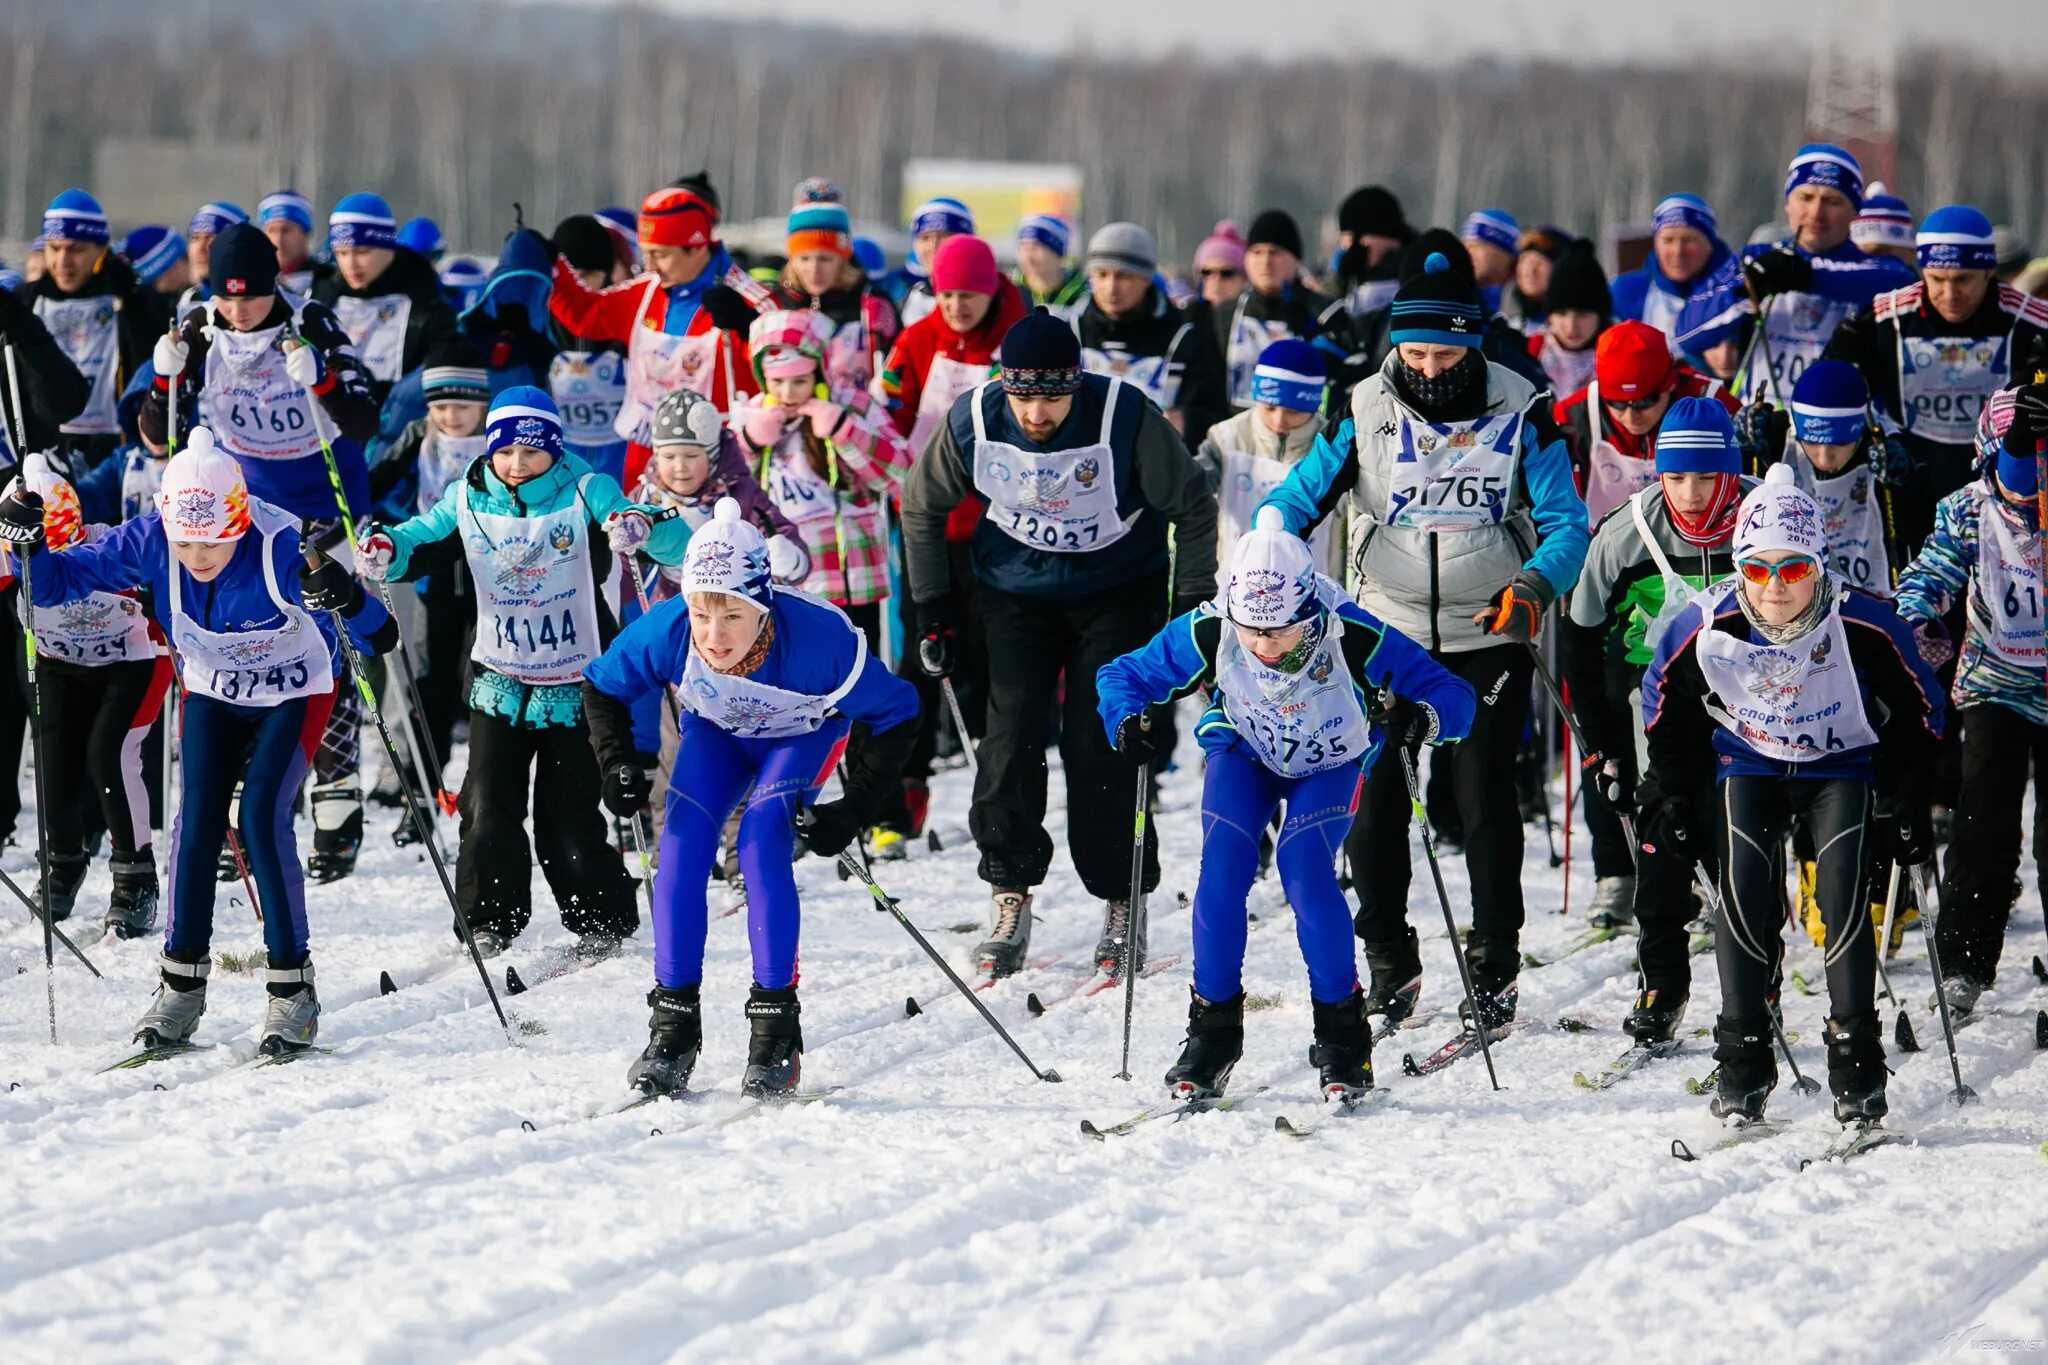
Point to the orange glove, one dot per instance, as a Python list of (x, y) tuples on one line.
[(1516, 612)]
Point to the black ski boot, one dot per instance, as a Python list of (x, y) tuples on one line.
[(1343, 1049), (1396, 977), (1494, 963), (1656, 1017), (66, 874), (1856, 1069), (337, 830), (1214, 1043), (674, 1035), (1748, 1068), (775, 1056), (131, 910)]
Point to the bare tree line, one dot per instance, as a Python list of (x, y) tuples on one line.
[(609, 104)]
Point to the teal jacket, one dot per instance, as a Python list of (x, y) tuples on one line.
[(430, 542)]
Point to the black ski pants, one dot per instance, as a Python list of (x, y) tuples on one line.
[(1984, 850)]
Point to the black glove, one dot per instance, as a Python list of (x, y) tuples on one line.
[(1667, 825), (627, 786), (728, 308), (1760, 431), (21, 518), (2029, 419), (1779, 271), (1516, 612), (327, 586), (1141, 738), (1379, 708), (829, 827), (1912, 834), (1185, 602), (1611, 782), (937, 650)]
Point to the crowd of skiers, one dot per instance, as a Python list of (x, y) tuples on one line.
[(695, 540)]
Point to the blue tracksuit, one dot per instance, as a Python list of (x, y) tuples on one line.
[(1240, 792)]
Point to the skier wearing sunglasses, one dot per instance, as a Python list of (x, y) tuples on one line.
[(1795, 695)]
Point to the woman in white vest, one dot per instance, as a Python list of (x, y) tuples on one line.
[(1247, 456), (1466, 525), (252, 630), (1295, 669), (1791, 696)]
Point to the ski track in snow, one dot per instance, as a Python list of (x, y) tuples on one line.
[(390, 1203)]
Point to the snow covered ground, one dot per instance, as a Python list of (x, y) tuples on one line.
[(430, 1193)]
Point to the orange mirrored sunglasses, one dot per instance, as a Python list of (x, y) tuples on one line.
[(1788, 572)]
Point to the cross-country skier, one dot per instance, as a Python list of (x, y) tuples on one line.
[(1580, 311), (385, 295), (1297, 672), (771, 681), (820, 276), (286, 218), (1372, 232), (1985, 554), (1276, 304), (1665, 545), (1794, 695), (1083, 476), (1129, 330), (1467, 527), (1686, 254), (1246, 456), (538, 529), (1043, 270), (252, 629)]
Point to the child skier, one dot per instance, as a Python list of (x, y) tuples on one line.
[(102, 672), (522, 515), (1802, 697), (252, 632), (1247, 456), (1297, 670), (773, 680)]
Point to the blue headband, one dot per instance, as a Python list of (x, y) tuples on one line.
[(75, 216), (212, 218), (942, 215), (1956, 237), (1687, 211), (287, 206), (1492, 226), (1046, 230), (524, 416), (1828, 166)]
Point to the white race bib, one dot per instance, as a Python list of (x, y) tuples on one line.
[(2009, 583), (1853, 519), (1453, 477), (253, 667), (1795, 702), (536, 601), (1946, 381), (589, 387), (1064, 500), (88, 331), (377, 327), (751, 710), (255, 409), (1300, 723)]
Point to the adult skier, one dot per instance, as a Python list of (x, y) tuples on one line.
[(1687, 255), (87, 298), (1130, 331), (385, 295)]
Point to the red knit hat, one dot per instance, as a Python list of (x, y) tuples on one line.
[(964, 263), (675, 217), (1632, 360)]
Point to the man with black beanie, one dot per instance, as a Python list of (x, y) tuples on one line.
[(1498, 342), (1083, 476), (1372, 232), (1276, 305), (1460, 496), (1579, 310)]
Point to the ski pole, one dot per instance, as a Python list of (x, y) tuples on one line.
[(1802, 1083), (960, 725), (858, 868), (37, 911), (1928, 885), (1904, 1033), (1628, 824), (35, 713), (1135, 912), (1444, 899), (412, 802)]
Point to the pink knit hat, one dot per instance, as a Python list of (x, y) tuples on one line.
[(964, 263), (1223, 246)]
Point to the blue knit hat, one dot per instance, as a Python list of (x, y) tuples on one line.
[(820, 225), (424, 236), (1828, 166), (152, 249), (75, 216), (1697, 436), (1884, 221), (525, 416), (1495, 227), (1957, 237), (287, 206), (1048, 231), (1687, 211), (362, 220), (868, 255), (1290, 374), (2018, 479), (1438, 307), (1828, 404), (213, 217), (942, 214)]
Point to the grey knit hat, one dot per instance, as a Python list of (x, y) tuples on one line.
[(1124, 246), (686, 417)]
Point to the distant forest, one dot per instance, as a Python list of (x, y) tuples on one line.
[(457, 108)]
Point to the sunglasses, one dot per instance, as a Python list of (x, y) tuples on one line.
[(1219, 273), (1632, 405), (1788, 572), (1272, 633)]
